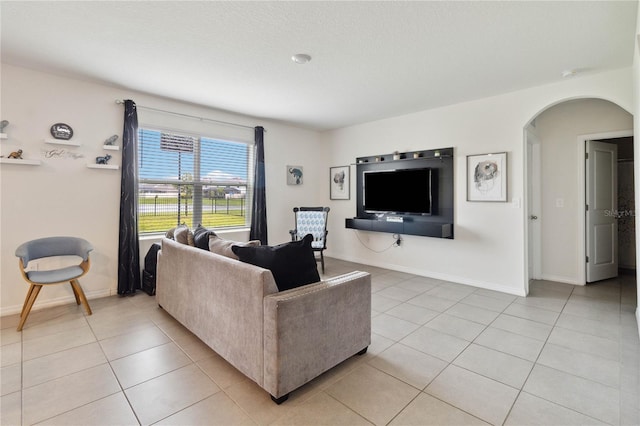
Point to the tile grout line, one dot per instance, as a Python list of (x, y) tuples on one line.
[(520, 391), (85, 369), (524, 383), (126, 397), (449, 363), (323, 390), (195, 363)]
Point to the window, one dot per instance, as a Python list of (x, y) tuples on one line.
[(192, 179)]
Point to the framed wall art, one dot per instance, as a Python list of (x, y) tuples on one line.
[(295, 174), (339, 182), (487, 177)]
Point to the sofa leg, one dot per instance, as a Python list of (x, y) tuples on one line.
[(364, 351), (280, 400)]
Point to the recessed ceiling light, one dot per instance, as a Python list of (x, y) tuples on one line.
[(569, 73), (301, 58)]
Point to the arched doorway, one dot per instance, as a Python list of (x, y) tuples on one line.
[(554, 150)]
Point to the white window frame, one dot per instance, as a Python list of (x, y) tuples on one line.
[(197, 207)]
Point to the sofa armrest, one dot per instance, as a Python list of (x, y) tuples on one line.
[(310, 329)]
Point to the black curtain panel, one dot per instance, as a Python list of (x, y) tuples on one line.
[(129, 247), (259, 209)]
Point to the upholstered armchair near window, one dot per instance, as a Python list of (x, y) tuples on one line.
[(312, 220)]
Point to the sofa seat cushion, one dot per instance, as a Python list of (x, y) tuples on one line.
[(292, 264), (222, 247)]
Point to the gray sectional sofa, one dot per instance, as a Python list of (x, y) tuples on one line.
[(280, 340)]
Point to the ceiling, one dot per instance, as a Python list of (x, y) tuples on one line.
[(370, 60)]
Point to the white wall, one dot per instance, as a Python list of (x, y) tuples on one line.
[(488, 249), (558, 129), (64, 197)]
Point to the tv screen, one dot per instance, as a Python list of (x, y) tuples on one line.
[(403, 191)]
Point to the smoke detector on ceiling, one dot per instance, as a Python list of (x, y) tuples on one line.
[(301, 58)]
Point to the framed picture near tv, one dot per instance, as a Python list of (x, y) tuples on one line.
[(339, 182), (487, 177)]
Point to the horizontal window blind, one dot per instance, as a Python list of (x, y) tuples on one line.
[(192, 179)]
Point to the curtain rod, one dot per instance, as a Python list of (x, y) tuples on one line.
[(120, 101)]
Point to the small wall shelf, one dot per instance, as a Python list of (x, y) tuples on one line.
[(103, 166), (111, 147), (61, 142), (18, 162), (407, 227), (3, 136)]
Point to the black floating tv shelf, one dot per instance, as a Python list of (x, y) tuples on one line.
[(424, 229), (438, 222)]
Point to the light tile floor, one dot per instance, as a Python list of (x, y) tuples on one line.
[(441, 353)]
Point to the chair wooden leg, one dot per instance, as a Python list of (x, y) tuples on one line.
[(322, 260), (75, 293), (33, 293), (26, 299), (76, 285)]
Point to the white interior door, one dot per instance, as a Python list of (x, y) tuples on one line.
[(534, 204), (601, 210)]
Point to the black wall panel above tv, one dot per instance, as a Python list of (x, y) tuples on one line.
[(385, 183)]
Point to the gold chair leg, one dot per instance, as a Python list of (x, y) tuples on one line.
[(33, 293), (75, 293), (78, 289)]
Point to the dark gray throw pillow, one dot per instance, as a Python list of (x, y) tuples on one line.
[(201, 237), (292, 264)]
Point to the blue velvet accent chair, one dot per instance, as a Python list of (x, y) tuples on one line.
[(48, 248), (312, 220)]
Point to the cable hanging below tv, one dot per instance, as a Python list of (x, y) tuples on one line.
[(407, 193)]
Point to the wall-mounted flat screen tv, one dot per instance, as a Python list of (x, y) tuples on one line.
[(400, 191)]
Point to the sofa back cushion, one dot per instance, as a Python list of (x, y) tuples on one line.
[(292, 264), (222, 247)]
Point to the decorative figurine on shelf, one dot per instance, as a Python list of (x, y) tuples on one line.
[(61, 131), (16, 155), (3, 124), (111, 140), (103, 160)]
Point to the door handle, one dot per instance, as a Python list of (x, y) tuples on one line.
[(533, 217)]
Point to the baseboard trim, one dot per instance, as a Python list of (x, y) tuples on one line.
[(15, 309), (560, 279), (430, 274)]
